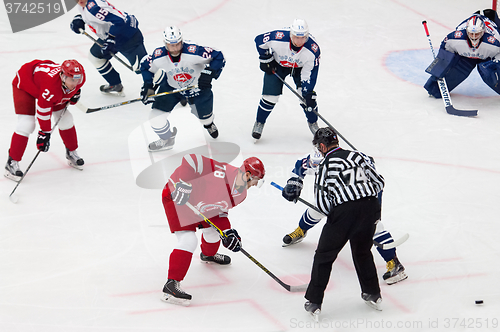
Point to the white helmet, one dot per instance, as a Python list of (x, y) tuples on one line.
[(172, 35), (299, 28), (475, 30)]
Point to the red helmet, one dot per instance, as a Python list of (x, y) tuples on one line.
[(255, 167), (73, 69)]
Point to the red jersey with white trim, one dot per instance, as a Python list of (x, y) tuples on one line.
[(213, 183), (41, 80)]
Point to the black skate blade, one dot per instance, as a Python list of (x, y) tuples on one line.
[(315, 315), (374, 305), (80, 168), (174, 300), (9, 176), (397, 278)]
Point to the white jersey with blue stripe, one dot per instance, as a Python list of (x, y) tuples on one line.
[(193, 59), (104, 20), (278, 43)]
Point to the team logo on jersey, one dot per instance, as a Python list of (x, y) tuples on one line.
[(279, 35), (491, 39), (192, 49), (222, 205), (182, 77), (315, 48), (289, 64), (90, 5), (458, 34), (158, 52)]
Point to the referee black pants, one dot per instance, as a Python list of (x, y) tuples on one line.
[(353, 221)]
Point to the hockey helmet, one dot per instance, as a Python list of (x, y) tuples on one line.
[(475, 30), (327, 136), (299, 28), (255, 166), (172, 35), (73, 69)]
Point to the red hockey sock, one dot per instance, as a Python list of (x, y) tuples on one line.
[(69, 138), (18, 146), (179, 264), (207, 248)]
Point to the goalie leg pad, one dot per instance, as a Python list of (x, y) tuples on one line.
[(490, 72)]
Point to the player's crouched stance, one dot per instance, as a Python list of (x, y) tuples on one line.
[(213, 188), (42, 90)]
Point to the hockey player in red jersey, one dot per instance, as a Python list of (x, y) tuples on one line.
[(42, 89), (213, 188)]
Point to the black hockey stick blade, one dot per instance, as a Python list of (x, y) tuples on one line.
[(453, 111)]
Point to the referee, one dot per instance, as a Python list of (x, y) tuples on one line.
[(346, 189)]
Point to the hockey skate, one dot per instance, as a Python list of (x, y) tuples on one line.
[(372, 300), (212, 130), (294, 237), (163, 144), (112, 90), (314, 309), (74, 159), (173, 293), (313, 127), (12, 170), (258, 127), (217, 259), (395, 272)]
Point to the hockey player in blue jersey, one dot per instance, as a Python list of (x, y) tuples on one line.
[(475, 42), (308, 165), (292, 51), (176, 65), (118, 32)]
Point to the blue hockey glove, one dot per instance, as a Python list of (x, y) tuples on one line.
[(232, 241), (109, 46), (310, 102), (146, 91), (292, 190), (268, 64), (43, 141), (181, 193), (205, 79), (77, 24)]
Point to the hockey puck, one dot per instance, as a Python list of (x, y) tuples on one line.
[(479, 301)]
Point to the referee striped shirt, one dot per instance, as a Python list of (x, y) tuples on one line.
[(345, 176)]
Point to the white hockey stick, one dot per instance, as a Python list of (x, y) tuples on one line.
[(443, 88), (384, 246)]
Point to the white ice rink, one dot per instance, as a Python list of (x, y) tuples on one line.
[(88, 250)]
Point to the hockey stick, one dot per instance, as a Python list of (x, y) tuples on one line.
[(303, 101), (289, 288), (443, 88), (84, 109), (13, 198), (380, 245), (133, 68)]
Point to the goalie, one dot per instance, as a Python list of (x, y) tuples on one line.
[(475, 42)]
